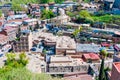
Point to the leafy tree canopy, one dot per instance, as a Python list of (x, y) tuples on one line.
[(0, 13), (47, 14), (84, 14)]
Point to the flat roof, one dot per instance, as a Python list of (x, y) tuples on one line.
[(58, 58), (79, 77), (88, 48)]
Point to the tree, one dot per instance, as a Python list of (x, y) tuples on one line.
[(0, 13), (12, 62), (75, 33), (86, 1), (23, 59), (59, 1), (45, 1), (84, 17), (10, 58), (47, 14), (70, 14), (69, 27), (84, 14), (16, 7), (103, 54)]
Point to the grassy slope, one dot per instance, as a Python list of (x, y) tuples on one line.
[(23, 74), (106, 18)]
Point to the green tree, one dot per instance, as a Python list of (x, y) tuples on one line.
[(103, 54), (45, 1), (10, 58), (23, 59), (70, 14), (0, 13), (47, 14), (59, 1), (84, 14), (16, 7), (75, 33), (12, 62), (86, 1), (85, 17)]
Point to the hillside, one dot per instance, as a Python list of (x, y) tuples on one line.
[(23, 74)]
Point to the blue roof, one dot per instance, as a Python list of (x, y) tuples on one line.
[(25, 31), (102, 48)]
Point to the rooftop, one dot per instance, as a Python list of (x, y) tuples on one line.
[(62, 42), (60, 58), (61, 17), (105, 44), (117, 33), (2, 36), (7, 28), (92, 56), (79, 77), (88, 48), (30, 20), (12, 17), (117, 66)]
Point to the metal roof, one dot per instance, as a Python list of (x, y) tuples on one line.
[(88, 48)]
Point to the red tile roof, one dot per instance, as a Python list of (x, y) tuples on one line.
[(1, 23), (2, 36), (87, 56), (117, 65), (105, 44), (8, 29), (92, 56), (15, 20)]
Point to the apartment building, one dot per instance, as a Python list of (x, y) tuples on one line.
[(31, 23), (10, 32), (24, 43), (63, 44)]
